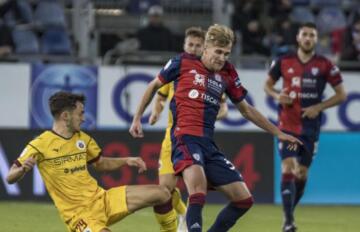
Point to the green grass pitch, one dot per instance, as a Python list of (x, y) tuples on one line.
[(43, 217)]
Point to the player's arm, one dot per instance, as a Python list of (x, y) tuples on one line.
[(159, 105), (223, 111), (281, 97), (250, 113), (106, 164), (135, 128), (336, 99), (17, 172)]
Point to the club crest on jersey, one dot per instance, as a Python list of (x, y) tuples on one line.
[(80, 144), (295, 82), (314, 71), (193, 94), (199, 79), (196, 156)]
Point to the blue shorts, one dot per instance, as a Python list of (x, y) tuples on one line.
[(189, 150), (304, 154)]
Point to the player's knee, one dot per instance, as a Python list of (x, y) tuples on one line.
[(164, 195), (245, 204)]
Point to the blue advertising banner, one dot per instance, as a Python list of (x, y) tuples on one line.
[(334, 174), (48, 79)]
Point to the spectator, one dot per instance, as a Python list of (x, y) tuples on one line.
[(351, 43), (6, 42), (283, 37), (246, 20), (155, 36)]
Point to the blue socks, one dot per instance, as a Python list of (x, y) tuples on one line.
[(230, 214), (288, 192), (193, 214), (300, 187)]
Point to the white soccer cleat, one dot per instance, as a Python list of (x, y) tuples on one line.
[(182, 224)]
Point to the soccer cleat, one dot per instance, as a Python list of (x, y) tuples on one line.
[(289, 228), (182, 224)]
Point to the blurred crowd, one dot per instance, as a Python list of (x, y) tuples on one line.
[(33, 28), (263, 28), (269, 27)]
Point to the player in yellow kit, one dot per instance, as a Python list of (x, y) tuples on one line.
[(63, 155), (193, 44)]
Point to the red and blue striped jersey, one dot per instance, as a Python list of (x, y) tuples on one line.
[(198, 93), (305, 84)]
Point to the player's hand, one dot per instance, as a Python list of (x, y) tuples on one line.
[(311, 111), (154, 117), (29, 164), (137, 162), (294, 142), (284, 98), (136, 129)]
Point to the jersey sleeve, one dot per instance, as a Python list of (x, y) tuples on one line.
[(29, 151), (235, 89), (275, 70), (170, 71), (93, 151), (333, 75), (164, 90)]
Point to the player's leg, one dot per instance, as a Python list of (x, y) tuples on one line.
[(222, 174), (169, 180), (195, 181), (188, 159), (124, 200), (165, 214), (136, 199), (306, 155), (287, 187), (300, 182)]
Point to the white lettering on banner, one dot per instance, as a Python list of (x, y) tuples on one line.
[(13, 189)]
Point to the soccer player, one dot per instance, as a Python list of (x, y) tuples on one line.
[(304, 75), (166, 214), (199, 84), (63, 155)]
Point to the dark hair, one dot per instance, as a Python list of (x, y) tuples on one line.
[(62, 101), (195, 32), (307, 24)]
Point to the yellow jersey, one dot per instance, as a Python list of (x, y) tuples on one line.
[(63, 166), (168, 91)]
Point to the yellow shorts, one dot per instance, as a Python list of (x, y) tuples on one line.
[(165, 164), (109, 208)]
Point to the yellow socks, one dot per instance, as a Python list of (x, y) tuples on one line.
[(177, 202), (167, 221)]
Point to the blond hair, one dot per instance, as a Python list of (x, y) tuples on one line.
[(195, 32), (219, 35)]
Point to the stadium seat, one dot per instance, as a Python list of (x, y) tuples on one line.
[(325, 3), (25, 11), (300, 2), (49, 13), (56, 41), (302, 15), (26, 41), (330, 19)]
